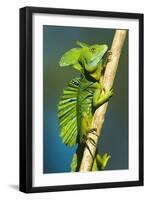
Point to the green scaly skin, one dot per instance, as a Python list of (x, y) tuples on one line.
[(81, 98)]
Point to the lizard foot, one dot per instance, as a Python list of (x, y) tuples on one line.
[(92, 130), (108, 94), (109, 55)]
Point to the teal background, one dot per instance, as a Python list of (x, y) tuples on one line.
[(114, 136)]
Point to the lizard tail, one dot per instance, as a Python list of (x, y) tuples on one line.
[(77, 158), (99, 162)]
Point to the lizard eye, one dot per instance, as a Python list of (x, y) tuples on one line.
[(92, 50)]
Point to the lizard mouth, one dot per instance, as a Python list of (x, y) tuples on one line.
[(96, 59), (93, 62)]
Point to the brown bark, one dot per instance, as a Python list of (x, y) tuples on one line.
[(99, 115)]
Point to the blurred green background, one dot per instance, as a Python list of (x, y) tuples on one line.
[(114, 136)]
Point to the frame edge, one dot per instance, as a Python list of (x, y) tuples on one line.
[(26, 101)]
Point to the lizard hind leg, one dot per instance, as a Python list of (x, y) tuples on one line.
[(92, 142), (86, 129), (89, 138), (92, 131)]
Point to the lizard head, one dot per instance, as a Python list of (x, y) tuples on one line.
[(87, 57), (92, 55)]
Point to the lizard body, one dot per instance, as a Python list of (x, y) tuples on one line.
[(82, 96)]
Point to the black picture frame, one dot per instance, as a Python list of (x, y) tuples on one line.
[(26, 98)]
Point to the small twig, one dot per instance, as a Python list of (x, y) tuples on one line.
[(99, 115)]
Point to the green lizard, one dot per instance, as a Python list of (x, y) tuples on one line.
[(81, 98)]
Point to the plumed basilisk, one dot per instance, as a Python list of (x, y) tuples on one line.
[(81, 98)]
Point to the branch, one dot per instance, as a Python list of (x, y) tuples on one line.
[(99, 115)]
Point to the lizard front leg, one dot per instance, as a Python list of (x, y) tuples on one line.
[(108, 58), (99, 98)]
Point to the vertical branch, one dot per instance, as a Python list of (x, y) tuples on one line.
[(99, 115)]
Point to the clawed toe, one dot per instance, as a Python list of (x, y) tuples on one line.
[(109, 55), (109, 52)]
